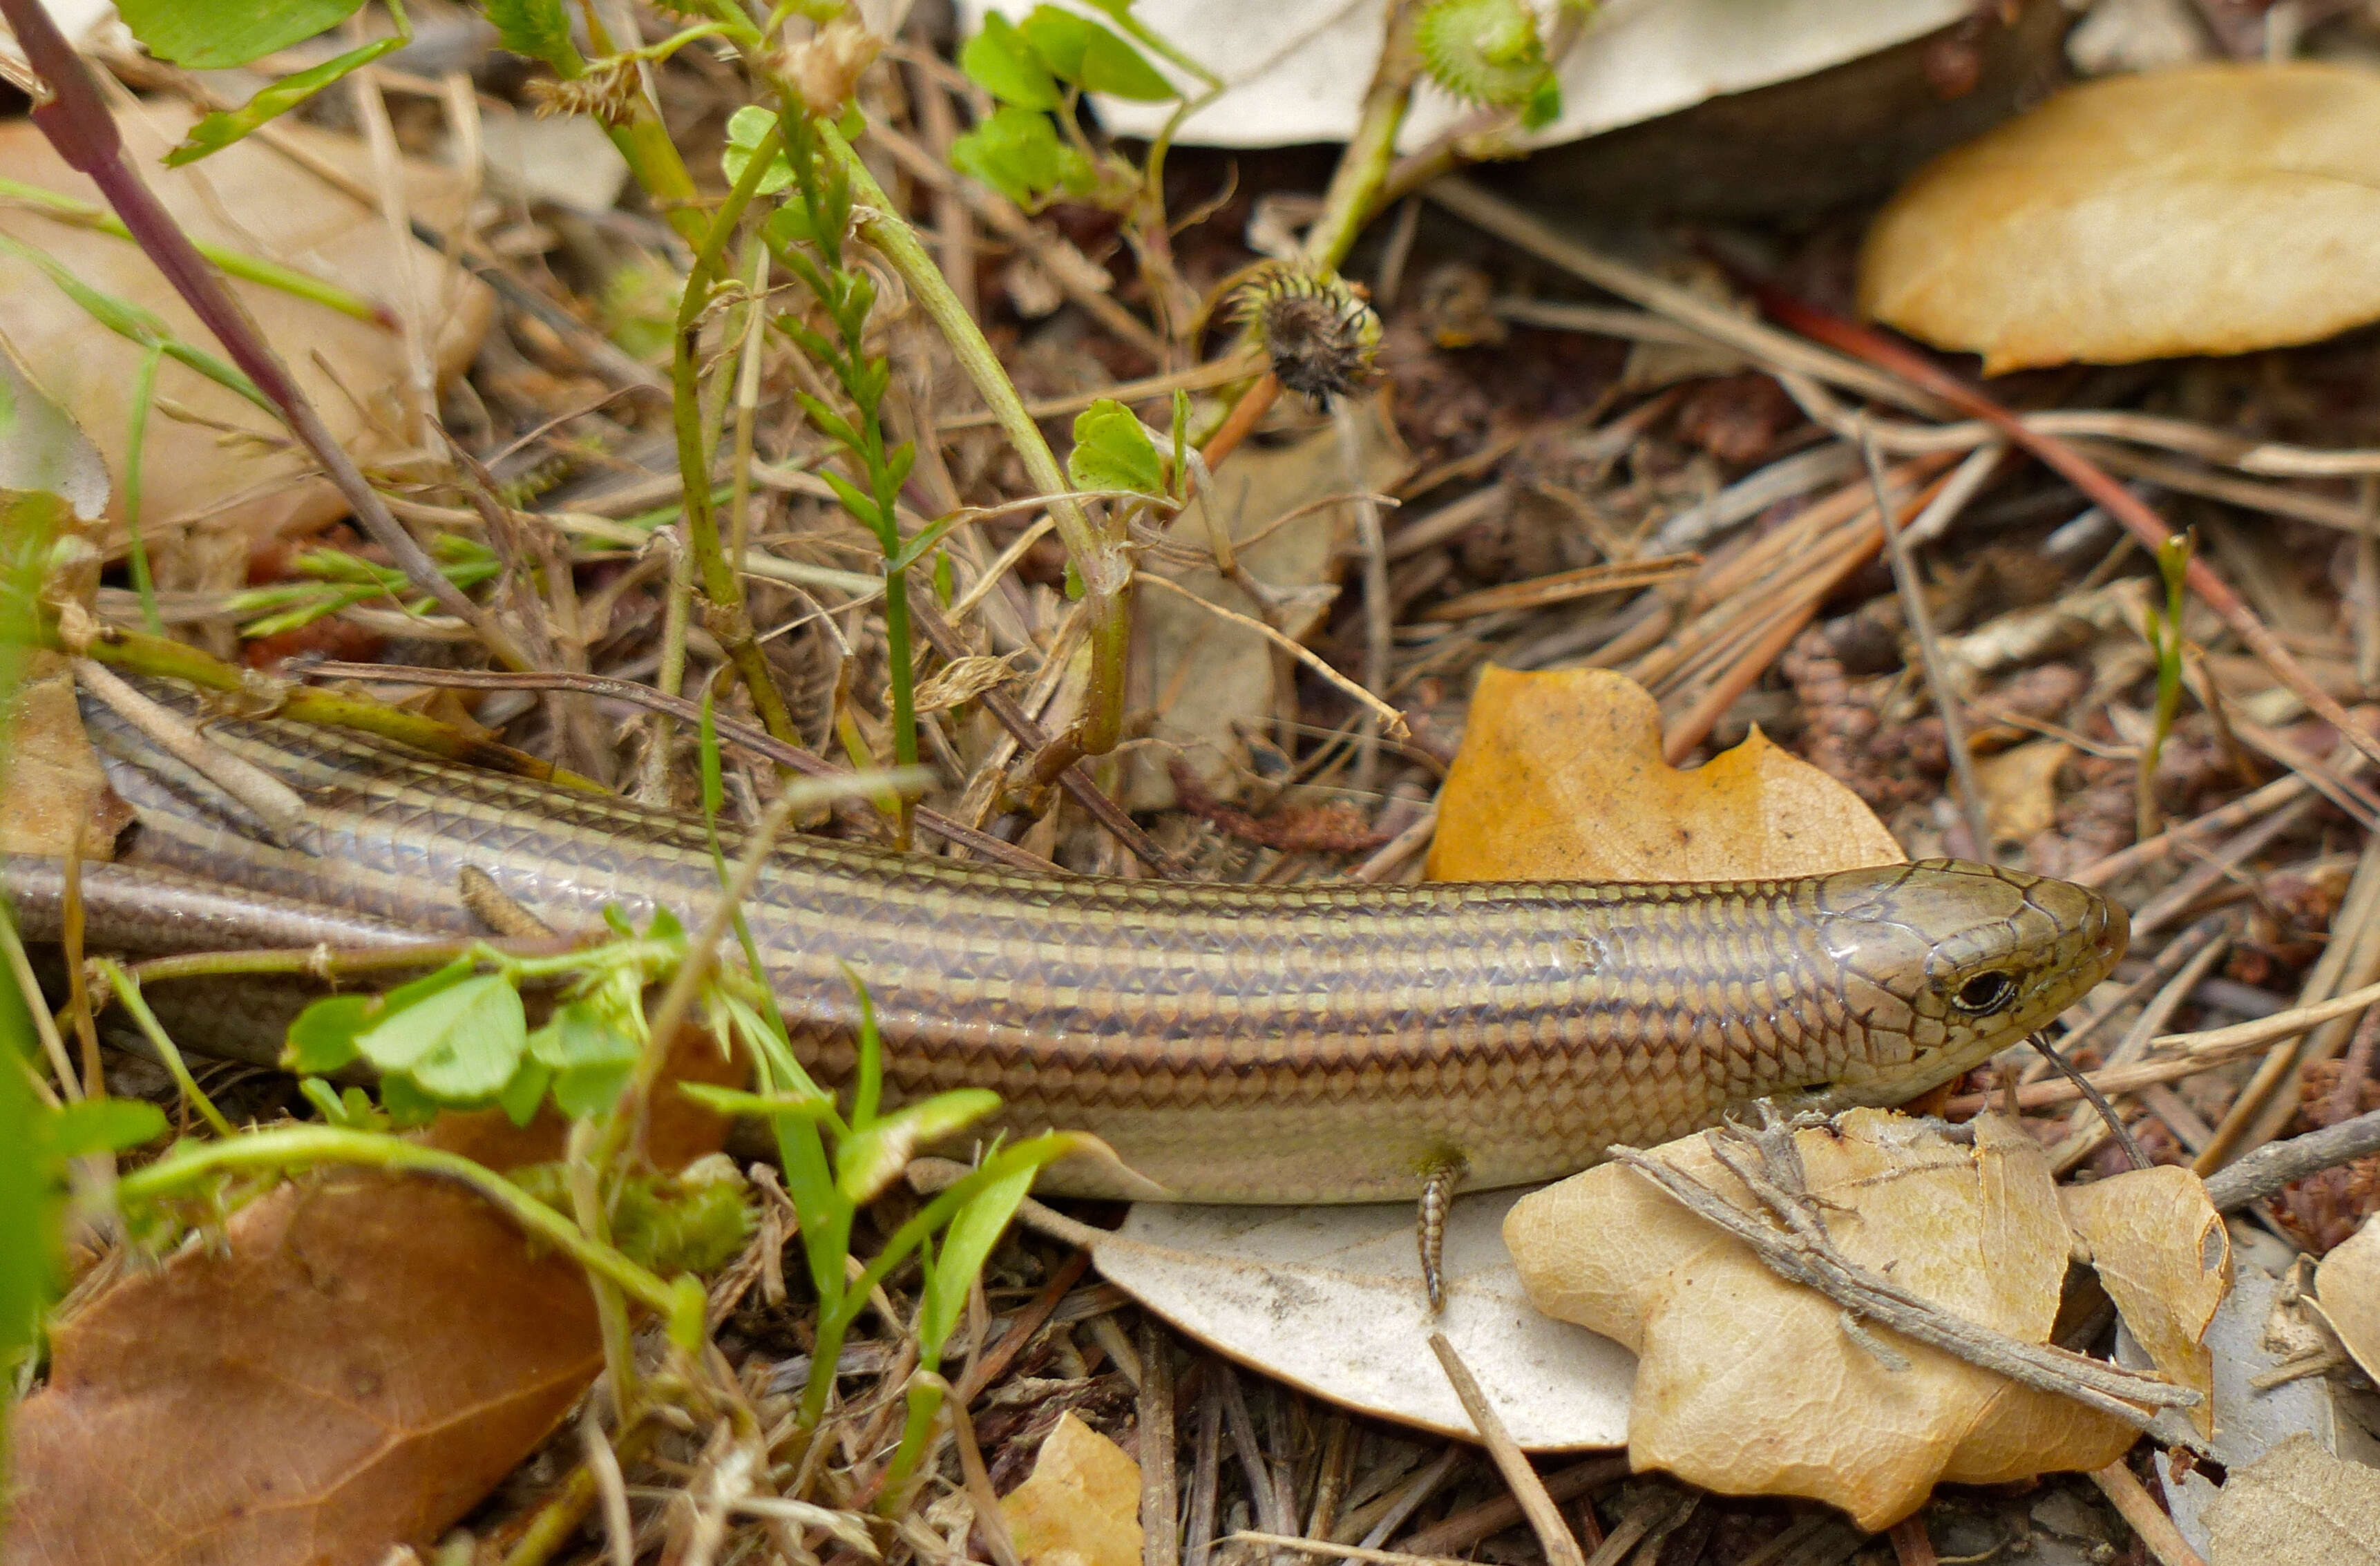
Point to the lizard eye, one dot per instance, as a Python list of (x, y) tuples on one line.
[(1985, 993)]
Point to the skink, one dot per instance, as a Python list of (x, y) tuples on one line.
[(1311, 1043)]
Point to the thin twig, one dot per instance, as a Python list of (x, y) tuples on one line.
[(1929, 646), (1545, 1518), (2146, 1517), (2262, 1173)]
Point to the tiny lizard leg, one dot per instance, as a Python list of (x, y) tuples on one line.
[(1439, 1181)]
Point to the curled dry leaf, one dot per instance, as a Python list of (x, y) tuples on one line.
[(1751, 1385), (1560, 778), (1081, 1504), (2211, 210), (2164, 1256), (379, 1350), (2297, 1506), (2346, 1287), (354, 372)]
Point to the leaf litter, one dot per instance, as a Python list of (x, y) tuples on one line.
[(1531, 462)]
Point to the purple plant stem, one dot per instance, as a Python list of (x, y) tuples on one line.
[(79, 124)]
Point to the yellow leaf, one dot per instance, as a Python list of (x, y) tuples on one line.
[(1560, 778), (1081, 1505), (2347, 1286), (2212, 209), (2162, 1252)]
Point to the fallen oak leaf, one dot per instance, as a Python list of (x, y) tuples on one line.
[(2213, 209), (2164, 1256), (1561, 777), (1751, 1385)]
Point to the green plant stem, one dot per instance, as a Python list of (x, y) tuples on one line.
[(1362, 170), (587, 1205), (926, 1390), (645, 143), (129, 996), (136, 438), (1099, 554), (732, 624), (234, 263), (181, 1171)]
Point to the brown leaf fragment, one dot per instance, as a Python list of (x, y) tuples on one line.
[(54, 801), (1560, 778), (353, 1366), (2164, 1256), (1081, 1505), (2346, 1287), (2297, 1506)]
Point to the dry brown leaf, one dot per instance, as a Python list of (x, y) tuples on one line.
[(2212, 209), (1749, 1385), (1560, 778), (251, 198), (2346, 1287), (2020, 789), (1206, 678), (355, 1365), (2164, 1256), (1081, 1504), (2297, 1506), (54, 801)]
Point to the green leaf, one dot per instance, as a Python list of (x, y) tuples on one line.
[(215, 35), (966, 1244), (350, 1110), (535, 28), (322, 1038), (1090, 56), (1018, 153), (1003, 64), (1059, 39), (99, 1125), (407, 1105), (1544, 105), (747, 129), (222, 128), (871, 1158), (1112, 451), (459, 1045), (522, 1095), (789, 226)]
